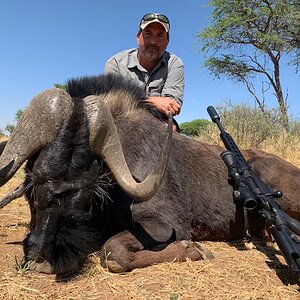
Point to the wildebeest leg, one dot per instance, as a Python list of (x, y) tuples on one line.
[(123, 252)]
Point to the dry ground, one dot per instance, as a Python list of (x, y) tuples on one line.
[(235, 273)]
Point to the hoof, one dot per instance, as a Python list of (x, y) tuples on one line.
[(206, 254), (196, 251), (43, 267), (113, 266)]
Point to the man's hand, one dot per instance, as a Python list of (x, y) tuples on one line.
[(164, 104)]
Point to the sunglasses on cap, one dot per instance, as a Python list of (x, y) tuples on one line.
[(153, 16)]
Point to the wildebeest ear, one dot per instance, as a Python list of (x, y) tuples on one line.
[(105, 141), (38, 125)]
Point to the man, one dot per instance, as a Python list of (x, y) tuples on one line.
[(159, 72)]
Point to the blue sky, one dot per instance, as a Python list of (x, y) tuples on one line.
[(46, 42)]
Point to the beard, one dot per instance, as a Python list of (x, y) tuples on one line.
[(152, 53)]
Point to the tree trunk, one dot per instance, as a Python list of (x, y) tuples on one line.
[(279, 96)]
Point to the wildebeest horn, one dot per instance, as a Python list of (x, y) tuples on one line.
[(39, 123), (105, 141)]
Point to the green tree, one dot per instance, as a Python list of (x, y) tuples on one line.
[(248, 39), (194, 127), (18, 114), (60, 86)]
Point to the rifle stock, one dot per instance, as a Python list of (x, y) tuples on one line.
[(252, 192)]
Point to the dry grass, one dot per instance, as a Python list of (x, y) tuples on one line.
[(285, 146), (235, 273), (3, 138)]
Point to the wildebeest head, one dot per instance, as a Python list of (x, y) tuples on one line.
[(74, 154), (66, 198)]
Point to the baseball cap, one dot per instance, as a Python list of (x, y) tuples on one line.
[(155, 17)]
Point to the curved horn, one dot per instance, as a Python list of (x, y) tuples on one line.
[(106, 143), (38, 125)]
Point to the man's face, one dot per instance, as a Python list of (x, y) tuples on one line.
[(152, 42)]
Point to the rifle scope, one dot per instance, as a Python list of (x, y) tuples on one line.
[(241, 192)]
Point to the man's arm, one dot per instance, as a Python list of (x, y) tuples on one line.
[(174, 85), (164, 104), (172, 93)]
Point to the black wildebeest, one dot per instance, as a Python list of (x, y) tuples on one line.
[(90, 182)]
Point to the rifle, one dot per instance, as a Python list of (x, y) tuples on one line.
[(252, 192)]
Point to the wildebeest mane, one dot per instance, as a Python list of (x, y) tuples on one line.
[(119, 93), (95, 85)]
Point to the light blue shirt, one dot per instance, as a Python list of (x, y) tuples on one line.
[(166, 79)]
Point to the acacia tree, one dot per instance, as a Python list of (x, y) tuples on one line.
[(249, 38)]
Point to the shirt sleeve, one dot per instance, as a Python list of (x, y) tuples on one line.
[(111, 66), (174, 85)]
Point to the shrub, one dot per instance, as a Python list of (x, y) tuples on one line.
[(194, 127), (250, 126)]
